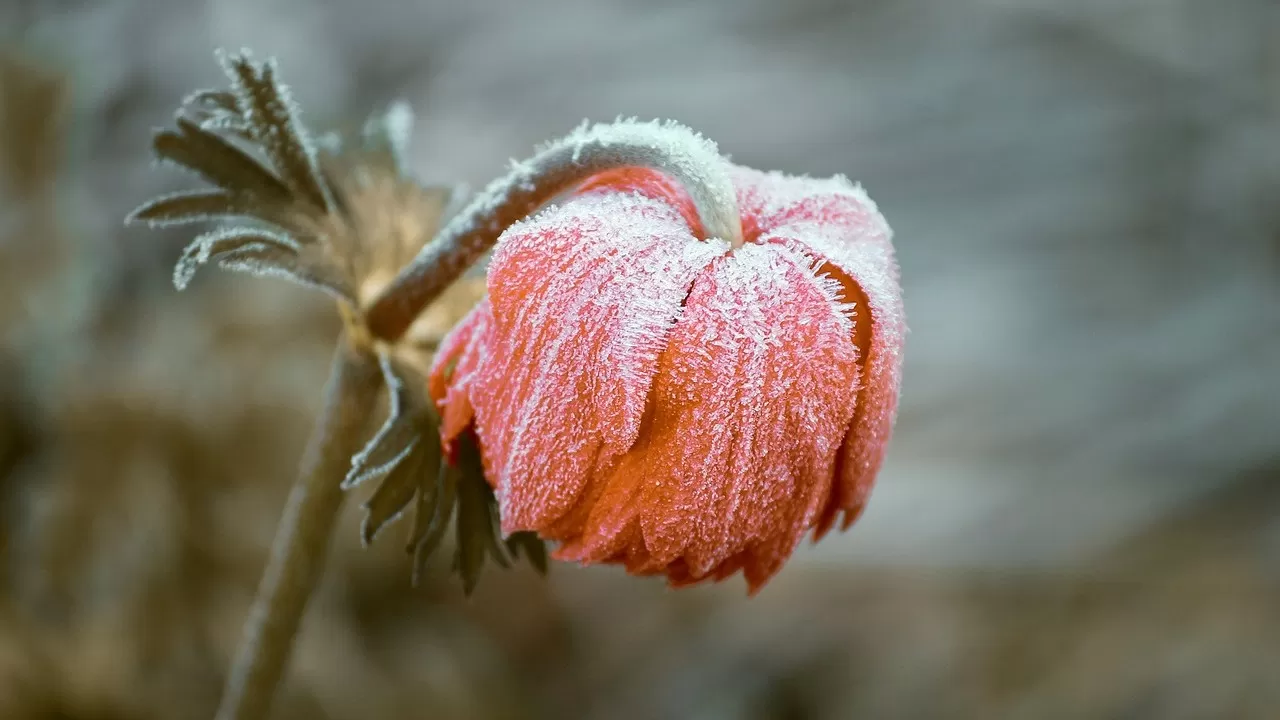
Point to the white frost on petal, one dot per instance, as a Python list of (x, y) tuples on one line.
[(750, 406), (583, 298), (774, 198)]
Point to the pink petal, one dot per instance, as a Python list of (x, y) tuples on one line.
[(453, 370), (751, 402), (868, 267), (583, 298), (837, 223)]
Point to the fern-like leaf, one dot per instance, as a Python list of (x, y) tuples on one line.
[(184, 208), (395, 440), (303, 269), (388, 502), (476, 525), (220, 243), (431, 519), (219, 161), (272, 118)]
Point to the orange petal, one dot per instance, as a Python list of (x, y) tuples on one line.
[(837, 224), (869, 267), (751, 402), (453, 370), (583, 297), (648, 183)]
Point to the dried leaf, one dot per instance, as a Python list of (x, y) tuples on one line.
[(218, 161), (271, 117)]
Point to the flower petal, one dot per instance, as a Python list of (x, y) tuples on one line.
[(751, 402), (583, 298), (835, 222), (453, 371), (869, 271)]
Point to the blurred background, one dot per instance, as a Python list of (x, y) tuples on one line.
[(1080, 515)]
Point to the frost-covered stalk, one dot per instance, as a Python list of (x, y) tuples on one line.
[(302, 540), (670, 148)]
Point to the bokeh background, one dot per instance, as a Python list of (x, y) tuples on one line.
[(1080, 516)]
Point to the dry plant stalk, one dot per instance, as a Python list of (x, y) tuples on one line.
[(300, 549), (342, 216)]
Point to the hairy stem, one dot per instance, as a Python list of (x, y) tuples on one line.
[(673, 149), (302, 540)]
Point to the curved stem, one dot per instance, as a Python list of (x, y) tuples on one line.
[(302, 540), (667, 147)]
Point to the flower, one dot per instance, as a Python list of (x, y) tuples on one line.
[(650, 397)]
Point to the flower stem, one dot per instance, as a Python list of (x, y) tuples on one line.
[(673, 149), (302, 540)]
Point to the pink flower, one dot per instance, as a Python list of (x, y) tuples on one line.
[(650, 397)]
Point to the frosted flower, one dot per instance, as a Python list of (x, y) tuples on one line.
[(649, 396)]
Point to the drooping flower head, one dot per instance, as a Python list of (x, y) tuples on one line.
[(677, 403)]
